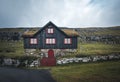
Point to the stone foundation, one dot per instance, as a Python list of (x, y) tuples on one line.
[(31, 52), (44, 52), (58, 52)]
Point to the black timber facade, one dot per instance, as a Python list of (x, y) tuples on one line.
[(41, 36)]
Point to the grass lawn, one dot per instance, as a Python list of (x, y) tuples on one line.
[(89, 72), (97, 48), (11, 49), (16, 49)]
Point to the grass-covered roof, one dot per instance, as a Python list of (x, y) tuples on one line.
[(68, 32)]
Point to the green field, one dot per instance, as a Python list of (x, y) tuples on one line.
[(114, 31), (97, 48), (90, 72), (108, 71), (12, 49)]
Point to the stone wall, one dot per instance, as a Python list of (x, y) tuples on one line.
[(44, 52)]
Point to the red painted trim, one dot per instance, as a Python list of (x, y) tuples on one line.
[(70, 40), (46, 30), (46, 41), (64, 40), (55, 40), (30, 41), (36, 41), (50, 53)]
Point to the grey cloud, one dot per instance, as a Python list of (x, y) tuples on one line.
[(71, 13), (11, 12)]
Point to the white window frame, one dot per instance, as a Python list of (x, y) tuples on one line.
[(33, 41), (50, 41), (50, 30), (67, 41)]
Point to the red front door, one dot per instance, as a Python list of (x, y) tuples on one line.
[(50, 53)]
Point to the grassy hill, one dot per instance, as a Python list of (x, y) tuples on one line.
[(97, 48), (89, 72), (115, 31), (15, 48), (82, 31), (11, 49)]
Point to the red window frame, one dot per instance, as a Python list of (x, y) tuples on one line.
[(50, 30), (67, 41), (33, 41), (50, 41)]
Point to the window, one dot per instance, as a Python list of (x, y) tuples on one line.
[(50, 41), (67, 41), (33, 41), (50, 30)]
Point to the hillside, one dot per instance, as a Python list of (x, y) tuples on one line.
[(115, 31), (92, 41), (89, 72), (99, 34), (82, 31)]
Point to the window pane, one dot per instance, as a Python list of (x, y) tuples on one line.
[(65, 40), (48, 30), (68, 41), (35, 41), (50, 41), (47, 41), (51, 30), (53, 41), (31, 41)]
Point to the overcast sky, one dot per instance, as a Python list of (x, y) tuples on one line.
[(68, 13)]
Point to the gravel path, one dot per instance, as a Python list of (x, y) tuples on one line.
[(24, 75)]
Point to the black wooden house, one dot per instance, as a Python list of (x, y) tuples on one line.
[(50, 37)]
